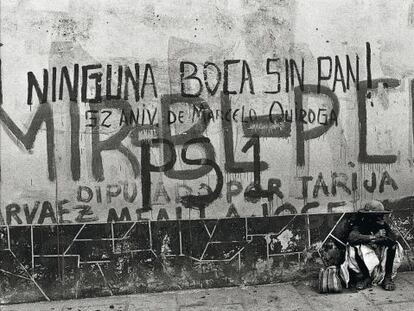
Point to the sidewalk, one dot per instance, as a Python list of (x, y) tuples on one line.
[(281, 297)]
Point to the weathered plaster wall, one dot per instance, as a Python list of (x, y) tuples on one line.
[(161, 35), (55, 169)]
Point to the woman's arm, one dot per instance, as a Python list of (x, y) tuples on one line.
[(355, 237)]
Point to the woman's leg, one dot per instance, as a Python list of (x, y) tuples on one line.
[(366, 278), (388, 283)]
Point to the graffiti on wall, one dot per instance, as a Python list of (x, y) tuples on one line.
[(151, 143)]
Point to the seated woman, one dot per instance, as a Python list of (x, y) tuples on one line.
[(373, 254)]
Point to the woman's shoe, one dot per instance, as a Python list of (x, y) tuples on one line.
[(388, 284), (365, 283)]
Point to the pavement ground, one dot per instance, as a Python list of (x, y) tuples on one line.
[(282, 297)]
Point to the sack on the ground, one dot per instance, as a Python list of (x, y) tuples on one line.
[(329, 281)]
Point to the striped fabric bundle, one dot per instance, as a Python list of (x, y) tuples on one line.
[(329, 281)]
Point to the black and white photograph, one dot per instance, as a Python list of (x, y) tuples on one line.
[(197, 155)]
